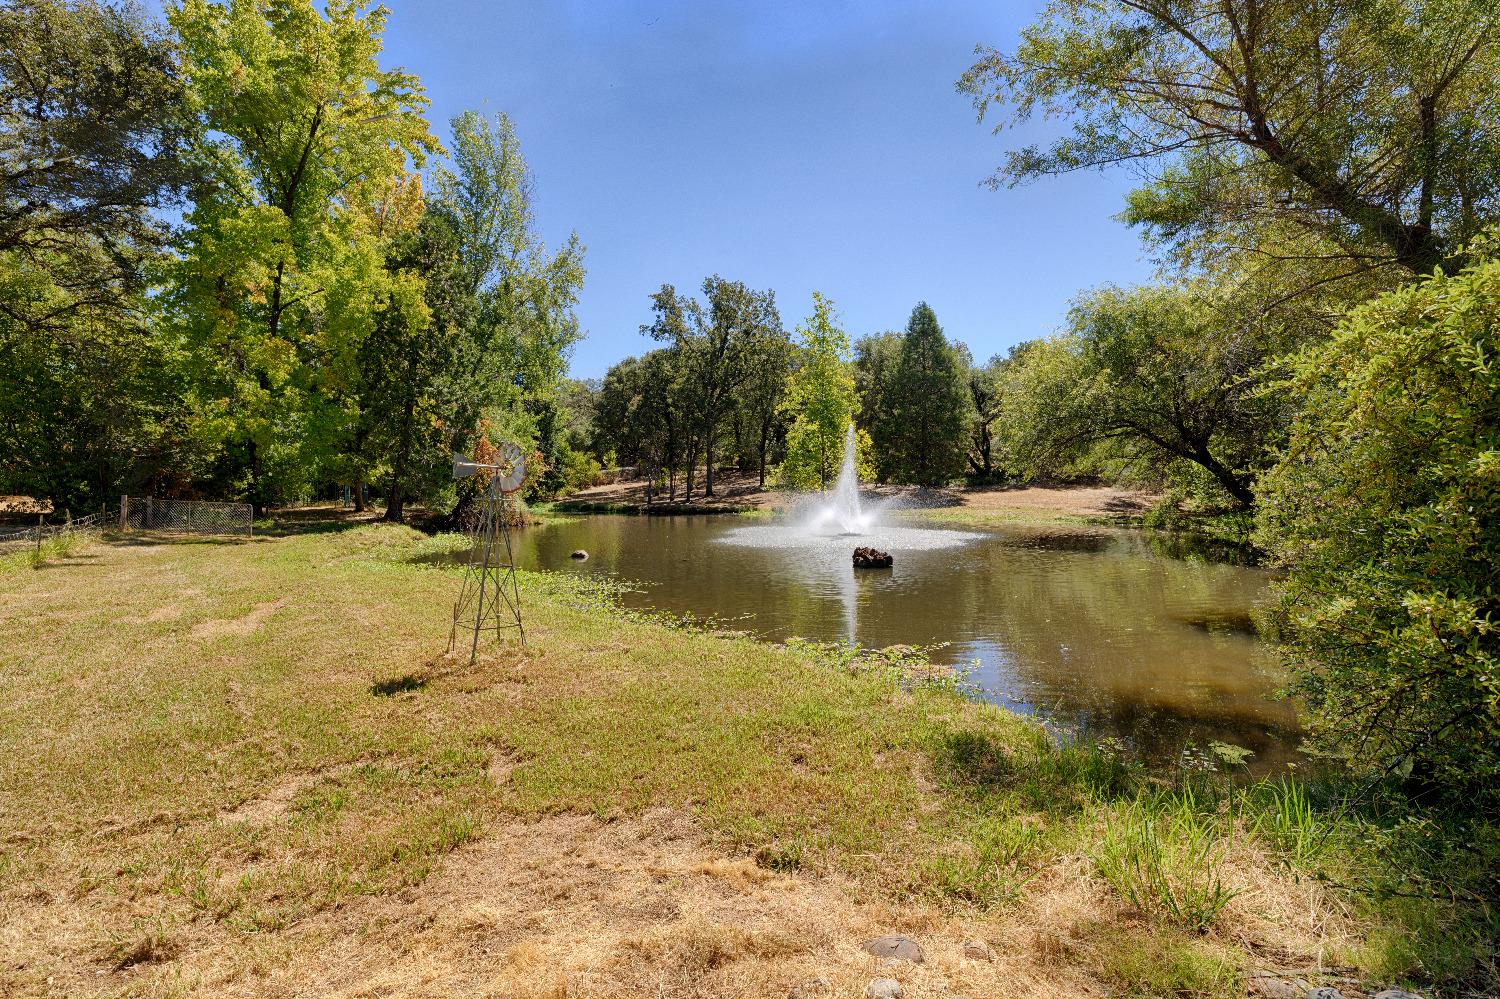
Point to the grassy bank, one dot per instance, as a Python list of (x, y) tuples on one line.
[(245, 767)]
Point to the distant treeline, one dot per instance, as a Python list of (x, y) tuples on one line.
[(728, 387)]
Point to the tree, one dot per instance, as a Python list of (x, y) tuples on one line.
[(986, 402), (91, 146), (1168, 374), (821, 402), (282, 267), (1384, 511), (664, 416), (418, 333), (1340, 138), (929, 413), (92, 143), (770, 368), (513, 369), (717, 340), (875, 359)]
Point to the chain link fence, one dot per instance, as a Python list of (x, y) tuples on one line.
[(12, 538), (185, 516)]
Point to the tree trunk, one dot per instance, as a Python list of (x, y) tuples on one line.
[(765, 441), (395, 504), (709, 443), (1235, 485)]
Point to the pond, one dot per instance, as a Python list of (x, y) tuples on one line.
[(1089, 627)]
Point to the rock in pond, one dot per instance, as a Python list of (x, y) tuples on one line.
[(580, 555), (869, 558), (896, 947), (883, 988)]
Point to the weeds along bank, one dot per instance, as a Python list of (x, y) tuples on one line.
[(241, 767)]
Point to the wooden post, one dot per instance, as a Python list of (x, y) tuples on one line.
[(124, 511)]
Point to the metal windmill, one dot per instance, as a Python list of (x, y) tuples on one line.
[(489, 599)]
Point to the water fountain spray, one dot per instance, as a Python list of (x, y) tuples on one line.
[(846, 508)]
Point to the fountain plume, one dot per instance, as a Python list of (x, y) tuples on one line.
[(844, 510)]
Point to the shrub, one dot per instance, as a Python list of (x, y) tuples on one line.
[(1384, 510)]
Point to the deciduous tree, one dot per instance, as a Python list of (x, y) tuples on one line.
[(1384, 511), (281, 270), (1340, 138), (821, 402)]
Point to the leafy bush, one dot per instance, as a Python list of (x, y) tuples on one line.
[(580, 470), (1384, 510)]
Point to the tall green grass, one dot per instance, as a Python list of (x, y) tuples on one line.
[(1162, 855)]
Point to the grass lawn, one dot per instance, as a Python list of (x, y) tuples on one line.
[(245, 767)]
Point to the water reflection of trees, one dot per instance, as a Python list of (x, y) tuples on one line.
[(1092, 626)]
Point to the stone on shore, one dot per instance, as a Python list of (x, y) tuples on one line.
[(896, 947)]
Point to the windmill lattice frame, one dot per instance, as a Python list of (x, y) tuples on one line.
[(489, 598)]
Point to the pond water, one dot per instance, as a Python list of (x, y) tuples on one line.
[(1089, 627)]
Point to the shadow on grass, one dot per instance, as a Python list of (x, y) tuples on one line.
[(398, 685), (148, 539)]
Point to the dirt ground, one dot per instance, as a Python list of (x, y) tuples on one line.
[(570, 906), (737, 491)]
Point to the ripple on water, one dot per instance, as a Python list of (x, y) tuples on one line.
[(894, 539)]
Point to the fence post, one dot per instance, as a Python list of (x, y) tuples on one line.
[(39, 519), (124, 511)]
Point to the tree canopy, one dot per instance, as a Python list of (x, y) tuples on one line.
[(1342, 137), (821, 402)]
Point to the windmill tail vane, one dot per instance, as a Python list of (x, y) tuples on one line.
[(489, 598)]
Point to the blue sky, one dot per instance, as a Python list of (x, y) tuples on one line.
[(793, 146)]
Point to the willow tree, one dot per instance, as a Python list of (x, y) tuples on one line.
[(1335, 141), (281, 270)]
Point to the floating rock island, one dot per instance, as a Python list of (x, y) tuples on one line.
[(870, 558)]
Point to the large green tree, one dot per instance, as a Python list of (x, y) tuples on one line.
[(1340, 139), (875, 360), (92, 139), (281, 272), (419, 333), (717, 340), (511, 370), (929, 412), (821, 401), (91, 148), (1160, 375), (1384, 511)]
